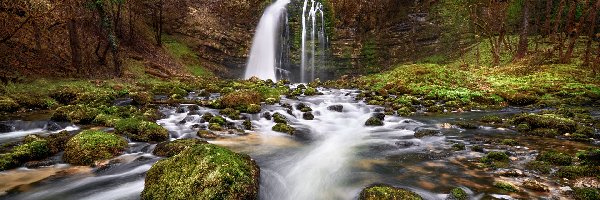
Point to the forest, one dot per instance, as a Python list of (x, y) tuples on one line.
[(300, 99)]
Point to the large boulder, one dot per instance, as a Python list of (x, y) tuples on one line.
[(90, 146), (203, 171), (34, 148), (172, 148), (381, 191)]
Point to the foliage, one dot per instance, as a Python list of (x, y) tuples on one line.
[(382, 191)]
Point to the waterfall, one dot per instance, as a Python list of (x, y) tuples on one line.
[(310, 44), (263, 61)]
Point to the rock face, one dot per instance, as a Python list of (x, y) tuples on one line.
[(382, 191), (203, 171)]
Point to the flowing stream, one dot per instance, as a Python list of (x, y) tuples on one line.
[(333, 156)]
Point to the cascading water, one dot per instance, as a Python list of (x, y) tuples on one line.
[(263, 61), (309, 46)]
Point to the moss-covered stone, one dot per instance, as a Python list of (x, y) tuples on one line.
[(66, 95), (466, 125), (215, 127), (271, 101), (90, 146), (589, 157), (506, 186), (231, 113), (556, 158), (586, 193), (509, 142), (572, 172), (106, 120), (284, 128), (79, 114), (491, 119), (521, 99), (140, 98), (253, 108), (172, 148), (544, 132), (309, 91), (458, 147), (535, 186), (426, 132), (140, 130), (374, 121), (477, 148), (217, 120), (549, 121), (495, 159), (7, 104), (381, 191), (458, 194), (207, 117), (57, 142), (206, 134), (539, 166), (203, 171), (241, 99), (247, 124), (308, 116), (404, 111), (279, 118)]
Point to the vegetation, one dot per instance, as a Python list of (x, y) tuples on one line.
[(172, 148), (90, 146), (140, 130), (387, 192), (199, 172)]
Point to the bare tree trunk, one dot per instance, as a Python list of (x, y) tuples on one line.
[(574, 31), (75, 45), (523, 37), (37, 36), (547, 30), (592, 20)]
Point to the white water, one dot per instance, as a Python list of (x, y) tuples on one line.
[(263, 62), (309, 44)]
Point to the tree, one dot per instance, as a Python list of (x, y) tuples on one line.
[(524, 35)]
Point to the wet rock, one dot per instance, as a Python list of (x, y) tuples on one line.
[(308, 116), (374, 121), (382, 191), (426, 132), (207, 116), (466, 125), (180, 109), (247, 124), (379, 116), (301, 106), (458, 147), (38, 164), (193, 107), (404, 144), (198, 126), (289, 112), (587, 182), (458, 194), (90, 146), (206, 134), (267, 115), (279, 118), (5, 128), (336, 108), (477, 148), (231, 113), (186, 120), (50, 126), (510, 173), (535, 185), (203, 171), (172, 148), (286, 105)]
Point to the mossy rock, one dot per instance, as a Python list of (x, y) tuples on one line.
[(78, 114), (308, 116), (309, 91), (65, 95), (203, 171), (466, 125), (279, 118), (495, 159), (172, 148), (217, 120), (231, 113), (539, 166), (34, 101), (477, 148), (458, 147), (90, 146), (556, 158), (549, 121), (381, 191), (374, 121), (572, 172), (141, 98), (140, 130), (586, 193), (491, 119), (520, 99), (509, 142), (458, 194), (336, 108), (271, 101), (207, 116), (206, 134), (96, 98), (253, 108), (7, 104), (57, 142), (106, 120), (241, 99), (589, 157), (404, 111), (544, 132), (215, 127), (420, 133), (506, 186), (535, 186), (247, 124), (284, 128)]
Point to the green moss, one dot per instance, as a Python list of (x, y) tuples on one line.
[(404, 111), (57, 142), (506, 186), (33, 150), (203, 171), (563, 125), (377, 192), (426, 132), (215, 127), (247, 124), (544, 132), (8, 105), (572, 172), (231, 113), (587, 193), (459, 194), (556, 158), (106, 120), (309, 91), (374, 121), (477, 148), (458, 147), (284, 128), (90, 146), (492, 119), (217, 120), (279, 118), (253, 109), (308, 116), (79, 114), (495, 159), (589, 157), (523, 127), (466, 125), (535, 186), (241, 99), (539, 166), (509, 142), (139, 130), (271, 101), (141, 98), (172, 148)]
